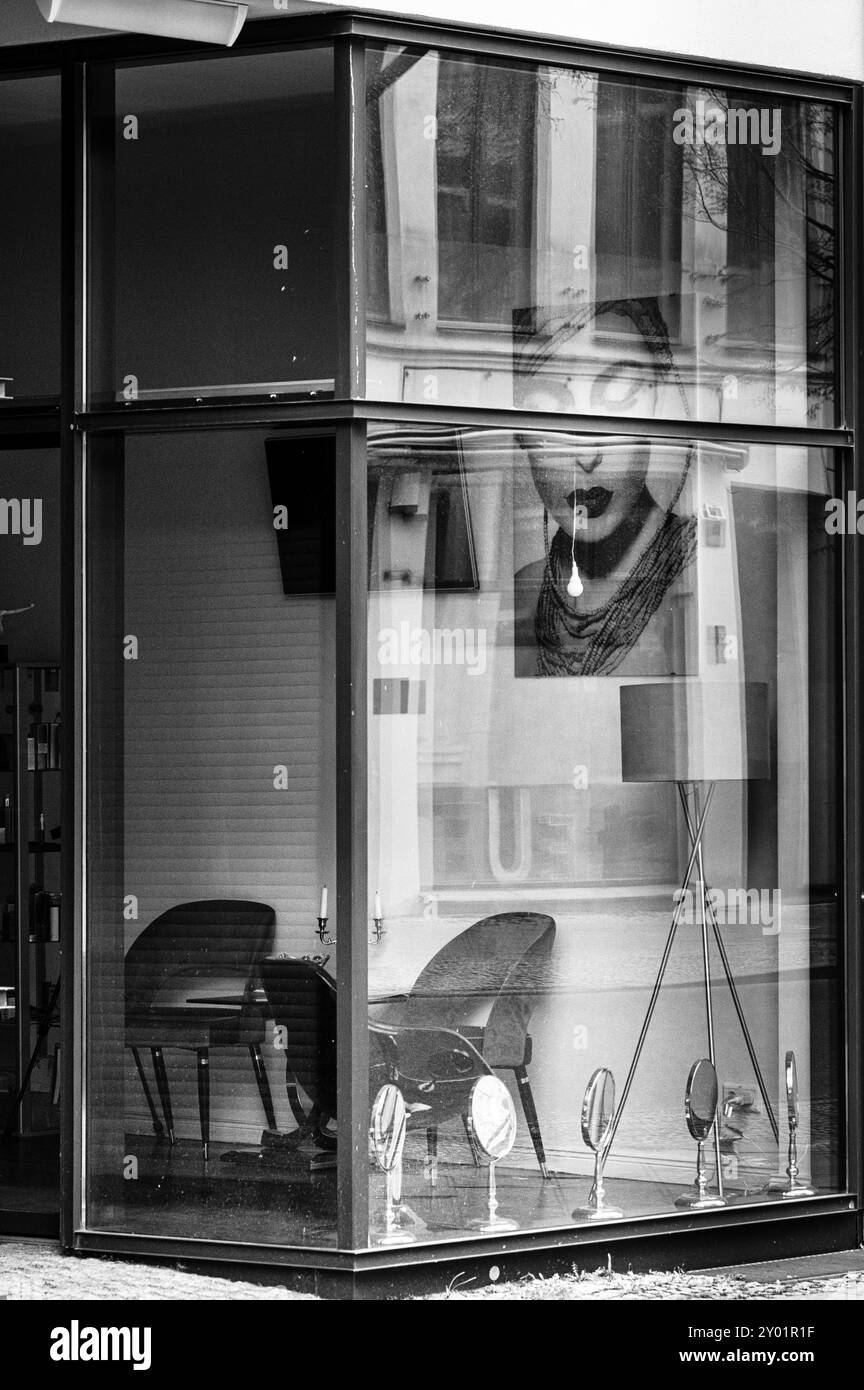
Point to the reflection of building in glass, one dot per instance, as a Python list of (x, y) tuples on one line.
[(496, 187)]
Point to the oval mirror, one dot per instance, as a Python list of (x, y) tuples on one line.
[(493, 1117), (387, 1128), (792, 1089), (700, 1100), (598, 1109)]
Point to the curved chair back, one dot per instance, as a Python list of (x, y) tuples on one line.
[(497, 959), (302, 1000), (213, 938), (504, 1043)]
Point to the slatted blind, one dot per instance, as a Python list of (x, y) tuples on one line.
[(233, 680)]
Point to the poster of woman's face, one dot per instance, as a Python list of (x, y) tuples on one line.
[(605, 537)]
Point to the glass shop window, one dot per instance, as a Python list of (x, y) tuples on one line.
[(537, 224), (30, 238), (211, 1043), (604, 701), (212, 229)]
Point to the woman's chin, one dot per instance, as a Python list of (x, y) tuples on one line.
[(598, 529)]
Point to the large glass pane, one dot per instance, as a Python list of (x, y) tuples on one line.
[(212, 228), (31, 838), (30, 238), (211, 832), (587, 655), (566, 240)]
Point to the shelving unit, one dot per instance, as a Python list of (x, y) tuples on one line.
[(30, 950)]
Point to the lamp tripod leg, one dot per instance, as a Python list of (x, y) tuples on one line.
[(655, 993), (754, 1060), (736, 1000), (706, 960)]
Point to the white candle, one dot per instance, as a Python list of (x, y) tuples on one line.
[(377, 913), (322, 911)]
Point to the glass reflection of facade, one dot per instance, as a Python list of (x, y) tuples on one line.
[(455, 703), (566, 228)]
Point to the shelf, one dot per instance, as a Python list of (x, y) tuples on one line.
[(31, 814)]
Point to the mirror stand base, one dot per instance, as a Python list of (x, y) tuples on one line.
[(781, 1187), (395, 1238), (597, 1214), (490, 1225), (693, 1202)]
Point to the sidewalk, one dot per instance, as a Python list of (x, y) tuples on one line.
[(37, 1271), (822, 1277)]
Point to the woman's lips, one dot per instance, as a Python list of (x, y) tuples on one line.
[(595, 500)]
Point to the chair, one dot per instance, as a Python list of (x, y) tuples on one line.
[(497, 966), (435, 1068), (301, 1000), (219, 941)]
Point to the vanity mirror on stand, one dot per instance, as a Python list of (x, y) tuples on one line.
[(598, 1112), (492, 1126), (700, 1109), (387, 1135)]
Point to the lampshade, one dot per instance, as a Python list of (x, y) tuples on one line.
[(694, 731), (209, 21)]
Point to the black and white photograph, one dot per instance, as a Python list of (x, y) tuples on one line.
[(431, 694)]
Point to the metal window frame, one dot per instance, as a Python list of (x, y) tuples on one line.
[(68, 424)]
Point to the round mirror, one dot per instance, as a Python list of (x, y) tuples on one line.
[(792, 1089), (387, 1129), (700, 1101), (598, 1109), (493, 1117)]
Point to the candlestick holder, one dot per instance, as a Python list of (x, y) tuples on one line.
[(322, 933), (377, 930)]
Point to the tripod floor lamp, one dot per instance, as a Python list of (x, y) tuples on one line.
[(696, 734)]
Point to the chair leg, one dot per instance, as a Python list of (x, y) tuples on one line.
[(204, 1099), (432, 1154), (296, 1104), (263, 1084), (530, 1109), (470, 1137), (158, 1128), (162, 1087)]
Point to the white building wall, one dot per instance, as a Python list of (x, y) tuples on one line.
[(827, 39)]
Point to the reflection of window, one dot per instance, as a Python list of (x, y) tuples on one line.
[(750, 243), (485, 151), (377, 259), (639, 167), (426, 489), (29, 237)]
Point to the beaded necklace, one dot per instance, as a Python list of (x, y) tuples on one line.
[(595, 643)]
